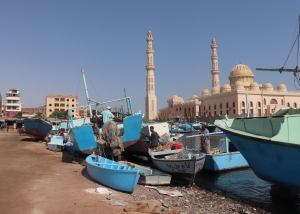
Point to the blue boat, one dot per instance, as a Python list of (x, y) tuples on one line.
[(36, 128), (112, 174), (196, 125), (270, 145)]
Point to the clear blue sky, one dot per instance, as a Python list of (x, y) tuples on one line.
[(45, 44)]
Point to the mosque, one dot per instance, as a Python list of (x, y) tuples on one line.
[(261, 99)]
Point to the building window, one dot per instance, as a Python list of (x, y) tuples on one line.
[(295, 105), (243, 104), (72, 100), (215, 113), (204, 108), (265, 102), (209, 107), (50, 104), (288, 104), (56, 99), (281, 101), (221, 112), (67, 100), (227, 112), (215, 106), (258, 104), (251, 104), (251, 112), (227, 106), (221, 106), (72, 105), (50, 110), (233, 104), (234, 111), (273, 101)]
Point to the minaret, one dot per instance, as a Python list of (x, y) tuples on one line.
[(151, 101), (214, 59)]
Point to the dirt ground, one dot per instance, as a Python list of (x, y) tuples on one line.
[(36, 180)]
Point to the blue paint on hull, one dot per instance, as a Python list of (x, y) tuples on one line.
[(275, 162), (224, 161), (83, 138), (112, 174), (36, 128)]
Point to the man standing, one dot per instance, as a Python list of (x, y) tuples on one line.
[(205, 141), (154, 137), (107, 115)]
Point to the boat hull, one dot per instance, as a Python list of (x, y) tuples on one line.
[(180, 168), (36, 128), (83, 139), (56, 144), (112, 174), (224, 161), (275, 162)]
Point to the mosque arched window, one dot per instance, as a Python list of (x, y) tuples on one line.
[(258, 104), (265, 102), (273, 101), (281, 101), (215, 106), (221, 106), (243, 104), (227, 105), (251, 104), (288, 105), (295, 105), (233, 104), (209, 107)]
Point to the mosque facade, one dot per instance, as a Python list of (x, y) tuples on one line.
[(232, 98)]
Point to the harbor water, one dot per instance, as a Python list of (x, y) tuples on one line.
[(242, 185)]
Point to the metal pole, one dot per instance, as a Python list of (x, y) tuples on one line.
[(86, 92)]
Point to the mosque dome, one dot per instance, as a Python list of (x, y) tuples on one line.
[(254, 86), (176, 99), (225, 87), (241, 73), (205, 92), (195, 96), (281, 87), (268, 87)]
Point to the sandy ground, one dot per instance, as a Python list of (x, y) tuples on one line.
[(36, 180)]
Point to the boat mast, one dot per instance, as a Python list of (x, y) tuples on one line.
[(86, 92)]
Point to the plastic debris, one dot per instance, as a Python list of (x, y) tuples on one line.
[(103, 191), (167, 192)]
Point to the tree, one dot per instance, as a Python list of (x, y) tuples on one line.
[(38, 115), (18, 115), (59, 114)]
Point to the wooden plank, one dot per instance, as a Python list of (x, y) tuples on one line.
[(278, 69), (146, 206)]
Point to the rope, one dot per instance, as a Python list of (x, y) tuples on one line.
[(94, 88)]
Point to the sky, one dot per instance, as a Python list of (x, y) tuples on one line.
[(45, 44)]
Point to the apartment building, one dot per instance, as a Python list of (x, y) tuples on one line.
[(13, 104), (61, 103)]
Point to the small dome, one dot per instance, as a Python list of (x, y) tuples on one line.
[(281, 87), (174, 96), (215, 90), (205, 92), (225, 87), (268, 85), (254, 84), (194, 96), (238, 83)]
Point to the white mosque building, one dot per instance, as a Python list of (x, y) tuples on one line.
[(263, 99)]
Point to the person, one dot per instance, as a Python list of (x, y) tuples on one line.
[(107, 115), (95, 121), (205, 141), (154, 137)]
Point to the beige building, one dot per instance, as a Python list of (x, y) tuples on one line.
[(61, 103), (150, 100), (232, 98)]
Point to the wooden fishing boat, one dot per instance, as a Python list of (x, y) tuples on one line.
[(83, 139), (36, 128), (112, 174), (56, 143), (184, 166), (150, 176)]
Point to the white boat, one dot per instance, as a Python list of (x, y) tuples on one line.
[(56, 144)]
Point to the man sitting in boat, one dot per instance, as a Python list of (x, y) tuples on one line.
[(205, 141)]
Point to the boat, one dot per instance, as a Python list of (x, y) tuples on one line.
[(223, 155), (56, 144), (83, 139), (196, 125), (112, 174), (269, 144), (150, 176), (180, 163), (36, 128)]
